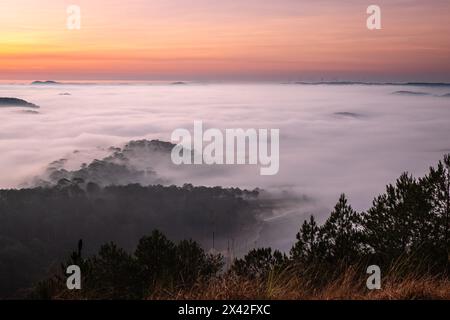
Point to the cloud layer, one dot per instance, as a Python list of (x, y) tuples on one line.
[(334, 139)]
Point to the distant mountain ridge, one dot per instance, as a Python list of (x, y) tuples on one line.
[(15, 102), (47, 82), (418, 84)]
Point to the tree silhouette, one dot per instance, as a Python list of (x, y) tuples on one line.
[(309, 245), (113, 273), (341, 233), (156, 255), (437, 188), (399, 219), (258, 263)]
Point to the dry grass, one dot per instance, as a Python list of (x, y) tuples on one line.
[(350, 284), (286, 286)]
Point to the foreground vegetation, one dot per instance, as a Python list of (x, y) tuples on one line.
[(405, 232)]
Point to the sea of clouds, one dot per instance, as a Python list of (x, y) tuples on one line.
[(334, 139)]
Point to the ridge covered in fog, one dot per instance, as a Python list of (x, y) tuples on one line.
[(15, 102), (131, 164)]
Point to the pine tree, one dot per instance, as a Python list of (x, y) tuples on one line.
[(114, 274), (155, 255), (258, 263), (341, 233), (399, 221), (437, 185), (308, 245)]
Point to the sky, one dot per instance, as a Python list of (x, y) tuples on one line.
[(225, 40)]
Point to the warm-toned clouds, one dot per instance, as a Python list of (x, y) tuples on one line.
[(209, 39)]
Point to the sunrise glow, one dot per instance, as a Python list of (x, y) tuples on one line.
[(202, 39)]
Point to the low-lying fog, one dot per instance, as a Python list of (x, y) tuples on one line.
[(334, 139)]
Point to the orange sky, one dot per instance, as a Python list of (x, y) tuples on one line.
[(225, 40)]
